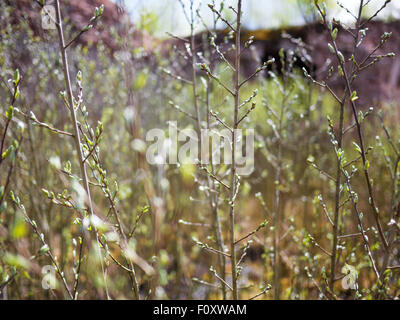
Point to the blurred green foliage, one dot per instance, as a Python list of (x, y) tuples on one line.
[(127, 92)]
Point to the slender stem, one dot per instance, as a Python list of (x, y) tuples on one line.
[(233, 168), (337, 197), (194, 72), (3, 139), (214, 197), (277, 202), (78, 270), (361, 228), (49, 252), (75, 125), (334, 259), (214, 207), (359, 129)]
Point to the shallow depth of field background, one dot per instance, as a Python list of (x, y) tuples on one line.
[(125, 61)]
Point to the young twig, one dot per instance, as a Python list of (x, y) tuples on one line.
[(74, 121)]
